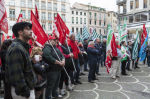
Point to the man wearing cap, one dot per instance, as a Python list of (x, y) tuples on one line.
[(56, 61)]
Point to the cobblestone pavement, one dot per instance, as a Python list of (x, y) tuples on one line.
[(134, 86)]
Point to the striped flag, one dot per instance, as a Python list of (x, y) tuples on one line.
[(109, 37), (85, 33), (135, 47), (124, 32), (95, 35), (78, 37)]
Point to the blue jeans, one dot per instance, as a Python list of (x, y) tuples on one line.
[(53, 79)]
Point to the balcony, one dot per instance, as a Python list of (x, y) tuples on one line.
[(121, 2)]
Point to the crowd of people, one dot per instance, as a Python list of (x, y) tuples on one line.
[(45, 72)]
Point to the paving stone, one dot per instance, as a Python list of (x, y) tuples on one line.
[(108, 86), (126, 79), (85, 86)]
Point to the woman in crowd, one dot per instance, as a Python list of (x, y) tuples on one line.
[(39, 67)]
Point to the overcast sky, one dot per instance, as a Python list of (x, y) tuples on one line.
[(108, 4)]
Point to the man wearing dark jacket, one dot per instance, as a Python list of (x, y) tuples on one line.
[(19, 71), (103, 51), (56, 61), (85, 44), (92, 60), (98, 46)]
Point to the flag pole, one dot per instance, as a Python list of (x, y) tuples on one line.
[(71, 57), (60, 60)]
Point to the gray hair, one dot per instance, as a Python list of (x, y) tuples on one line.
[(91, 42)]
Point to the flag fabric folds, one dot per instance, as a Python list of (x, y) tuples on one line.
[(142, 53), (3, 17), (78, 37), (85, 33), (135, 47), (114, 46), (95, 35), (38, 30), (61, 28), (143, 35), (36, 12)]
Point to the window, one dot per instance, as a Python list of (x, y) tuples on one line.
[(136, 3), (72, 29), (80, 30), (90, 15), (99, 31), (63, 8), (84, 20), (37, 3), (49, 26), (55, 6), (22, 3), (77, 13), (44, 26), (72, 12), (77, 30), (43, 16), (144, 16), (23, 12), (80, 13), (12, 2), (131, 5), (12, 13), (145, 3), (55, 14), (104, 22), (80, 20), (95, 22), (90, 21), (100, 22), (84, 14), (49, 16), (49, 6), (95, 15), (29, 14), (30, 3), (137, 18), (72, 20), (130, 19), (43, 5), (76, 20)]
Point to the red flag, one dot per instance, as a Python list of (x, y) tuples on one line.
[(2, 9), (36, 12), (108, 63), (144, 34), (38, 30), (4, 23), (114, 46), (20, 18), (3, 37), (62, 28)]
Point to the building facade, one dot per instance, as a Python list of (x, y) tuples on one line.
[(91, 16), (47, 10), (137, 13), (112, 20)]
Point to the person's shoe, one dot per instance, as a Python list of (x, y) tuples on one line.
[(98, 73), (95, 79), (124, 74), (69, 88), (118, 76), (90, 81), (86, 70), (82, 74), (113, 77), (60, 96), (62, 92), (74, 83), (78, 82)]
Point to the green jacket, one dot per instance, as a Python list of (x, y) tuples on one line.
[(49, 56), (19, 71)]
